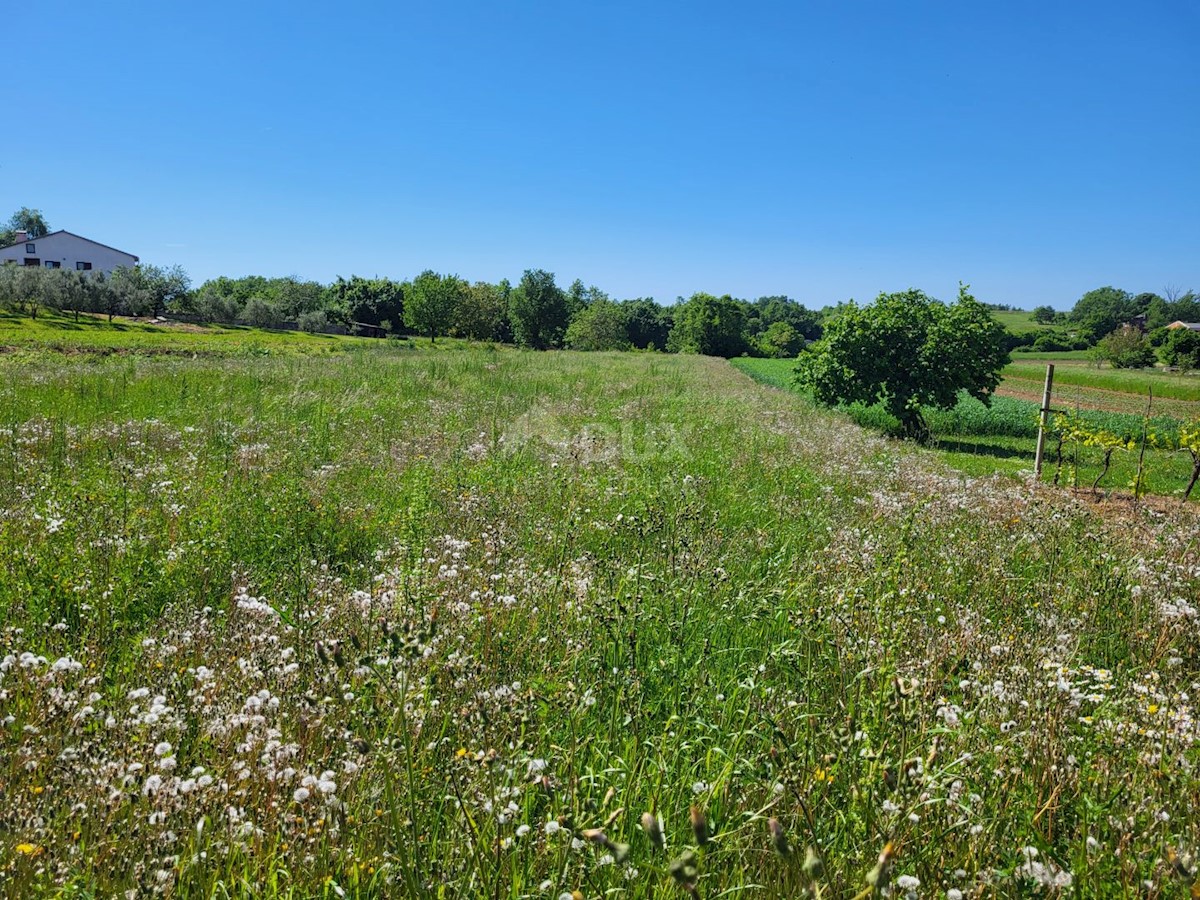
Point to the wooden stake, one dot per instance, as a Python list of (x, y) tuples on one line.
[(1141, 468), (1043, 421)]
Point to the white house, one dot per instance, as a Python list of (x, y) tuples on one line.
[(63, 250)]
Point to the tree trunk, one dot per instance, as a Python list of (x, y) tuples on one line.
[(914, 425), (1107, 459), (1195, 475)]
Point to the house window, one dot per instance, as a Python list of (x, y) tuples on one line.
[(53, 264), (83, 267), (32, 261), (31, 248)]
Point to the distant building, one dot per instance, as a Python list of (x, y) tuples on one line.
[(1190, 326), (63, 250)]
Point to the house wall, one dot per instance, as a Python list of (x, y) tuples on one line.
[(67, 250)]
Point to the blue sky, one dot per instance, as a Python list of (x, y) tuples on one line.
[(821, 150)]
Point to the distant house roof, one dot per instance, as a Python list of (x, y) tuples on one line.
[(1190, 326), (51, 234)]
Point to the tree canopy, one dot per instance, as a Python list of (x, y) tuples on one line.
[(538, 311), (430, 302), (31, 221), (482, 312), (906, 350), (1181, 349), (714, 326), (371, 301), (1103, 310), (649, 323), (601, 325)]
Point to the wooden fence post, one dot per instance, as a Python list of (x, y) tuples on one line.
[(1043, 421)]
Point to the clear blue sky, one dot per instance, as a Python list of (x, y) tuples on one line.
[(822, 150)]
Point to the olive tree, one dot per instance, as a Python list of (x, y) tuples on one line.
[(907, 351)]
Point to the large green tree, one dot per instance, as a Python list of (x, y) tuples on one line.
[(372, 301), (537, 310), (714, 326), (779, 341), (905, 351), (649, 323), (767, 311), (482, 312), (602, 325), (430, 303), (1103, 310)]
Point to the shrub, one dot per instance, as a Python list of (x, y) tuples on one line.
[(261, 314), (312, 322), (1181, 348), (1126, 348), (1052, 342)]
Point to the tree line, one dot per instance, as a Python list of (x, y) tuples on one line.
[(1124, 329), (535, 312)]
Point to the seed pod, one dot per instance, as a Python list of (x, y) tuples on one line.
[(813, 867), (653, 826), (880, 876), (779, 839), (699, 826), (685, 871)]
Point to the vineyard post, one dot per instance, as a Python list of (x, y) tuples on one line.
[(1141, 465), (1043, 421)]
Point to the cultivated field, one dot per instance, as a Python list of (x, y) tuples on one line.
[(1002, 438), (396, 623)]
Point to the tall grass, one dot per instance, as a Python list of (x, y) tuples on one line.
[(471, 623)]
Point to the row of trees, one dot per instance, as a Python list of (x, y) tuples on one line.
[(1100, 313), (137, 291), (534, 313)]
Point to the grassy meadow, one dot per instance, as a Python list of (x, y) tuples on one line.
[(395, 623), (1018, 321), (95, 334)]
